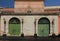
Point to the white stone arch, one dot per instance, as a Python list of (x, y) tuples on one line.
[(51, 19), (16, 18), (37, 23), (7, 18)]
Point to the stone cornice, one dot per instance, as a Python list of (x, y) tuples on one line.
[(29, 13)]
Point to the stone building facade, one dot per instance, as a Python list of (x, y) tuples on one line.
[(29, 18)]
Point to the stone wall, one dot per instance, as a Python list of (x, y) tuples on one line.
[(28, 24)]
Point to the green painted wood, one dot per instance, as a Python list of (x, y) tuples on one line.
[(43, 30), (14, 26), (14, 29)]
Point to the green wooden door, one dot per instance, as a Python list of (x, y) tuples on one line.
[(14, 26), (43, 28)]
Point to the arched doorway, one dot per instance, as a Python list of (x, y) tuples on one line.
[(14, 26), (43, 27)]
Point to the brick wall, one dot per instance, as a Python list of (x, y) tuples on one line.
[(34, 6)]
